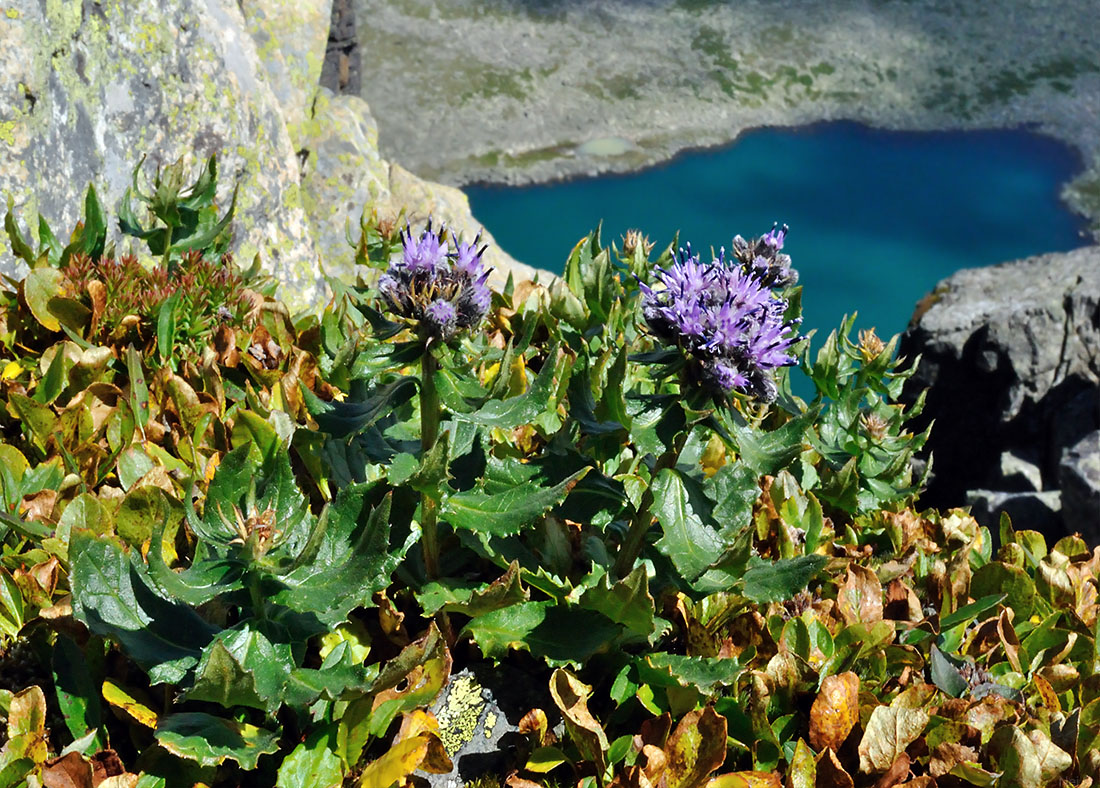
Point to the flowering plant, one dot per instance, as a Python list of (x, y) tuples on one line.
[(725, 317), (444, 291)]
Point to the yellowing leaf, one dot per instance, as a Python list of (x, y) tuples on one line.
[(399, 762), (696, 748), (571, 696), (545, 759), (11, 370), (122, 699), (835, 711), (746, 780), (1016, 758), (859, 599), (889, 731), (803, 770)]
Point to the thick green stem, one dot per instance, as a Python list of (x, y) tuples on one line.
[(429, 431), (643, 518)]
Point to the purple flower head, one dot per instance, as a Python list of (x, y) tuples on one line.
[(725, 318), (762, 257), (467, 258), (444, 291), (427, 255), (774, 238), (441, 317)]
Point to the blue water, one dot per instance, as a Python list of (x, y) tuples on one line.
[(876, 217)]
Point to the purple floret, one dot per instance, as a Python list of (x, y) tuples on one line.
[(725, 318), (444, 291), (427, 255), (442, 317)]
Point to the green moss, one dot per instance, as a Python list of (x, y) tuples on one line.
[(499, 82)]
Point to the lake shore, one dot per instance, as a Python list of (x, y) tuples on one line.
[(510, 92)]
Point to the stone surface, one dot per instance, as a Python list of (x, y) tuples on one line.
[(1019, 475), (91, 87), (344, 176), (1011, 354), (479, 713), (291, 37), (342, 69), (1036, 511), (1079, 478)]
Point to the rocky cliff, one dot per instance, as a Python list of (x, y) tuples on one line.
[(1010, 355), (92, 88)]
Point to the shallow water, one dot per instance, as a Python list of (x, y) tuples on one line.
[(876, 217)]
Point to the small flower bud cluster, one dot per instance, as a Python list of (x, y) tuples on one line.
[(764, 259), (727, 320), (444, 290)]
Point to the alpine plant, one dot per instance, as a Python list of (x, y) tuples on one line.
[(444, 290), (725, 317)]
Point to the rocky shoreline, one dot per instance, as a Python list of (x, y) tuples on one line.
[(523, 92)]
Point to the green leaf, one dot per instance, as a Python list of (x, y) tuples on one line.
[(133, 464), (946, 675), (53, 383), (241, 667), (627, 602), (972, 611), (505, 513), (204, 580), (211, 741), (502, 592), (351, 560), (311, 765), (166, 327), (341, 419), (19, 246), (561, 634), (38, 419), (770, 452), (688, 541), (40, 285), (77, 691), (139, 391), (780, 580), (1011, 581), (112, 596), (523, 409), (702, 673)]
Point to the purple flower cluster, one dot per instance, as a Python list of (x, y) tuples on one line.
[(727, 320), (444, 290), (763, 257)]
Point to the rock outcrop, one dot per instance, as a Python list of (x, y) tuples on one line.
[(93, 87), (1010, 355)]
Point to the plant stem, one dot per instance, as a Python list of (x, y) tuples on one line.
[(429, 431), (639, 525)]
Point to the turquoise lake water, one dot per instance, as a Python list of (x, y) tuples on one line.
[(876, 217)]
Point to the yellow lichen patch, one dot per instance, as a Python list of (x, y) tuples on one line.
[(460, 713)]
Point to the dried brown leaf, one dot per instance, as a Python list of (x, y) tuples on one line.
[(830, 774), (889, 731)]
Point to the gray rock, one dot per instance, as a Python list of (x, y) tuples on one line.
[(291, 37), (342, 71), (1019, 474), (1036, 511), (344, 177), (1079, 478), (1011, 355), (92, 87), (479, 713)]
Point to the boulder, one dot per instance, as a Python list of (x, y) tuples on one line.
[(1010, 355), (93, 87), (1034, 511), (344, 177), (1079, 478), (291, 38), (479, 713)]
